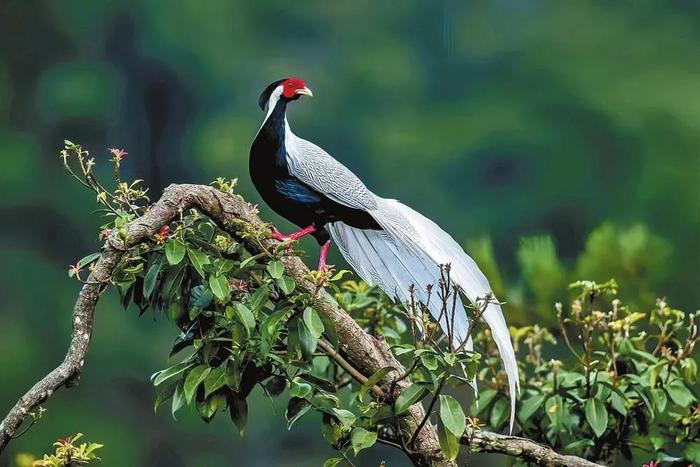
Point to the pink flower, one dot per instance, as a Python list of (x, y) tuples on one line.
[(118, 154), (652, 464)]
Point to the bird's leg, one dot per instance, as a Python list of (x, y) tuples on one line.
[(323, 255), (277, 235)]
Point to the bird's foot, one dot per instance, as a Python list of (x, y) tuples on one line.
[(277, 235)]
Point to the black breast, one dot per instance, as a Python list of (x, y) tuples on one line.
[(286, 194)]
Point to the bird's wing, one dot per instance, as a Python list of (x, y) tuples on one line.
[(315, 167)]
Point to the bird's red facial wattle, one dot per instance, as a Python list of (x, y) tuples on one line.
[(295, 87)]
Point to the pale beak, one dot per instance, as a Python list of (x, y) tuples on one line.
[(305, 91)]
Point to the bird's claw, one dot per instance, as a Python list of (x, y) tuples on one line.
[(277, 235)]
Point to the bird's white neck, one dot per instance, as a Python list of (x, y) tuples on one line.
[(271, 103)]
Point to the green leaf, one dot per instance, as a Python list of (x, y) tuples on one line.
[(485, 398), (658, 396), (449, 443), (220, 286), (307, 341), (168, 373), (245, 316), (313, 322), (375, 379), (530, 405), (271, 325), (692, 452), (362, 439), (293, 344), (238, 410), (408, 397), (276, 269), (320, 382), (429, 361), (296, 408), (149, 282), (300, 389), (286, 284), (346, 417), (679, 393), (579, 444), (618, 403), (690, 370), (259, 297), (193, 380), (163, 397), (333, 462), (452, 415), (654, 373), (178, 400), (554, 407), (201, 296), (88, 259), (499, 413), (215, 380), (174, 251), (597, 416), (251, 259), (329, 329), (198, 259)]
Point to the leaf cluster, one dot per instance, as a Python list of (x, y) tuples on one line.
[(625, 385)]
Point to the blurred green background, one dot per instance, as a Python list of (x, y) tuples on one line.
[(573, 124)]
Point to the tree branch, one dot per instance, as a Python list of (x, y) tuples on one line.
[(523, 448), (360, 351)]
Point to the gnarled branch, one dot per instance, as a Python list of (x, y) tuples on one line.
[(364, 352), (526, 449)]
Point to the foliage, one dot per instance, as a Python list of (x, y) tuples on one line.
[(626, 383), (67, 454), (244, 323)]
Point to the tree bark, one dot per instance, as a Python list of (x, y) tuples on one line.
[(365, 352), (523, 448)]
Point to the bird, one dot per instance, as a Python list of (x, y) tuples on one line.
[(387, 243)]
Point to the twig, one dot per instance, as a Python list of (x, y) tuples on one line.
[(349, 369), (429, 412)]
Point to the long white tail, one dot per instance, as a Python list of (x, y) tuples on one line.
[(407, 252)]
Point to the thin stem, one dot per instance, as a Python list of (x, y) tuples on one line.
[(429, 411), (345, 365)]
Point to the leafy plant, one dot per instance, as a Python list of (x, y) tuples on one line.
[(626, 384), (243, 323), (67, 454)]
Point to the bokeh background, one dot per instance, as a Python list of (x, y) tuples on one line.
[(556, 140)]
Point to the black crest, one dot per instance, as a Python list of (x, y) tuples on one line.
[(265, 96)]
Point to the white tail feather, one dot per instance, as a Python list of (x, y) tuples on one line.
[(407, 252)]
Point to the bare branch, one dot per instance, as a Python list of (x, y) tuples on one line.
[(525, 449)]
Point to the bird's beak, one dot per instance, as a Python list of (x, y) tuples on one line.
[(305, 91)]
